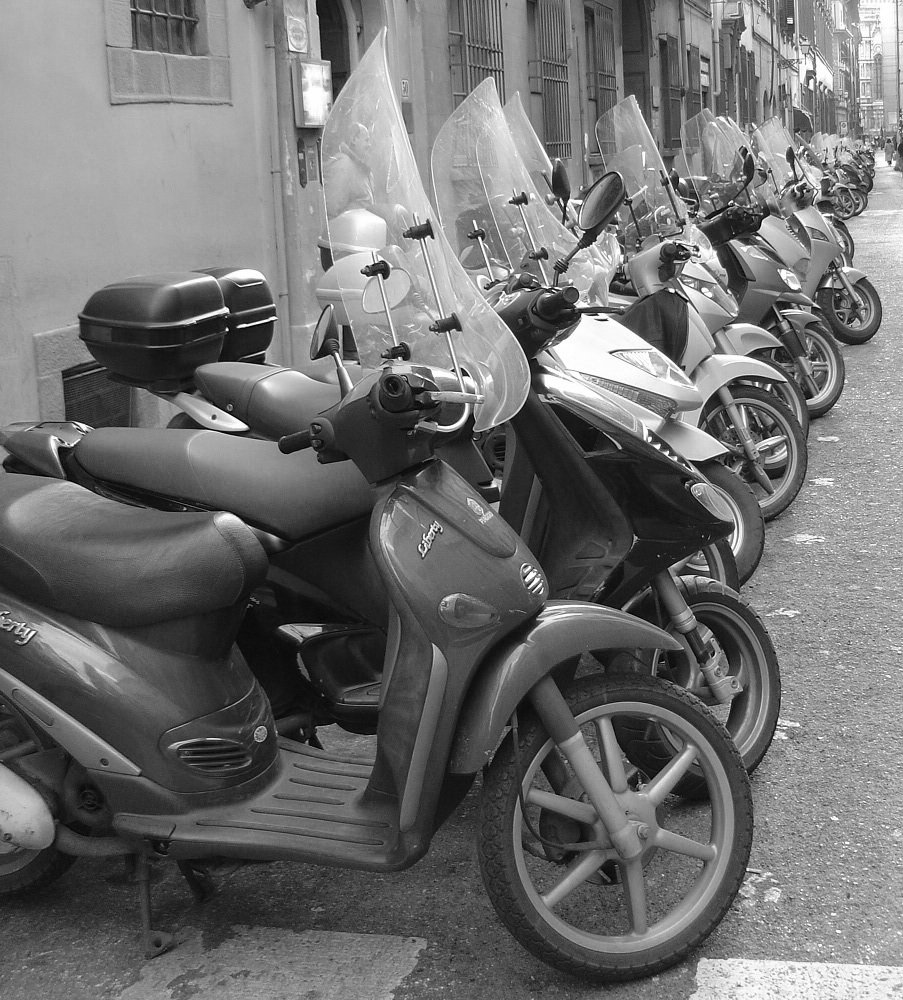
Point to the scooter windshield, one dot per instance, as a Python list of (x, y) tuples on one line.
[(368, 166), (771, 141), (628, 147), (711, 161), (481, 182)]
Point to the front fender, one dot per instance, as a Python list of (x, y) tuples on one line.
[(722, 369), (800, 318), (795, 299), (692, 443), (744, 338), (829, 280), (561, 633)]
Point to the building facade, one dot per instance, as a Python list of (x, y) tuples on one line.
[(151, 136)]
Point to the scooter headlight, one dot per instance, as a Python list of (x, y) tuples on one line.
[(653, 362), (790, 279)]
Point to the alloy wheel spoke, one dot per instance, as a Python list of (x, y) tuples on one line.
[(667, 840), (562, 805), (614, 759), (577, 873), (663, 783), (635, 894)]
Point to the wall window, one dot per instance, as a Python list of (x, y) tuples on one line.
[(669, 63), (475, 46), (164, 26), (549, 72), (168, 51), (601, 82)]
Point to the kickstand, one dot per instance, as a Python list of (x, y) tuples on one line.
[(199, 880), (155, 942)]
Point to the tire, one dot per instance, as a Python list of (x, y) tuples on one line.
[(828, 367), (23, 870), (735, 630), (845, 239), (772, 426), (590, 931), (860, 201), (715, 561), (844, 205), (835, 303), (747, 541), (788, 392)]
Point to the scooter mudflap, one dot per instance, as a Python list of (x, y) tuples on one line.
[(315, 809)]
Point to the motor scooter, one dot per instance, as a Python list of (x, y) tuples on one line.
[(622, 539), (767, 442), (802, 237), (718, 172), (132, 728)]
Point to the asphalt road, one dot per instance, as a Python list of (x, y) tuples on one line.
[(826, 875)]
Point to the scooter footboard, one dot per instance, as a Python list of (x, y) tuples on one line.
[(561, 633)]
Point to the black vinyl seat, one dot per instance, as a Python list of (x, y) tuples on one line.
[(68, 549)]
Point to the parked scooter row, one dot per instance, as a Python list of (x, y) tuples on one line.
[(131, 725), (369, 586)]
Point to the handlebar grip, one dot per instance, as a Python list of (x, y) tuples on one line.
[(549, 305), (294, 442), (669, 252)]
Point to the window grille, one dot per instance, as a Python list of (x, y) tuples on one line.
[(475, 46), (694, 91), (671, 100), (601, 81), (549, 75), (164, 26)]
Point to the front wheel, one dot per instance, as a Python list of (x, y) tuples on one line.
[(844, 206), (547, 860), (844, 239), (777, 473), (826, 362), (855, 318), (747, 540)]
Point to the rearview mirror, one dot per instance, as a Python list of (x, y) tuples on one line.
[(601, 202), (561, 183), (325, 339), (396, 287)]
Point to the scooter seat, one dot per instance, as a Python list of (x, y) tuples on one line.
[(66, 548), (273, 401), (290, 496)]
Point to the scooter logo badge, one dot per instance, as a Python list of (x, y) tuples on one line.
[(427, 539), (21, 630), (482, 513)]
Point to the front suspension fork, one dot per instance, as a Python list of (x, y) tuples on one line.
[(724, 687), (795, 346), (837, 272), (746, 439)]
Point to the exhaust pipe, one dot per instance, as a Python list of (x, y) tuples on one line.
[(25, 819)]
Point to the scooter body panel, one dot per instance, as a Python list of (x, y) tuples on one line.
[(830, 280), (569, 627), (164, 698), (722, 369), (744, 338)]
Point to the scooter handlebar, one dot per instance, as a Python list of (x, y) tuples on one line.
[(550, 305), (291, 443)]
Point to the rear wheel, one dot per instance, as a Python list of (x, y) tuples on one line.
[(21, 869), (855, 318), (779, 440), (547, 859)]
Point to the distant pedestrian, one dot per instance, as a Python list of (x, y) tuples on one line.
[(889, 150), (899, 164)]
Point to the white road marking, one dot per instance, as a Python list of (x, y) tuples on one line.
[(739, 979), (279, 964)]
